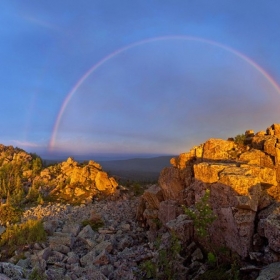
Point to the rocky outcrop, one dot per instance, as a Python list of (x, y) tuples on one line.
[(244, 184), (68, 181), (72, 182)]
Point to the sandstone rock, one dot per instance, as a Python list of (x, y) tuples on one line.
[(103, 183), (274, 192), (260, 133), (258, 142), (257, 157), (267, 176), (269, 146), (171, 183), (276, 128), (217, 149), (240, 180), (278, 174), (249, 133), (207, 172), (277, 156), (182, 160), (168, 210), (153, 195)]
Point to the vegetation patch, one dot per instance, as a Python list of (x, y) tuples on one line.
[(95, 221), (19, 235), (163, 266), (202, 215)]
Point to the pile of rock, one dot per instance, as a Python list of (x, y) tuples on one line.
[(73, 251), (72, 182)]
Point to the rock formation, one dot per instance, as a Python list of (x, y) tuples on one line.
[(244, 184), (68, 181), (76, 183)]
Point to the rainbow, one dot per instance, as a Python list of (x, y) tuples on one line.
[(163, 38)]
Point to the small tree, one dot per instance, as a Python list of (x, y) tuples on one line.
[(240, 139), (202, 215)]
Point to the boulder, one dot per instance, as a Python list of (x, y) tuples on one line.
[(103, 183), (153, 195), (60, 238), (270, 272), (271, 229), (182, 227), (168, 210), (241, 181), (12, 271), (182, 160), (171, 183), (207, 172), (269, 145), (257, 157), (217, 149)]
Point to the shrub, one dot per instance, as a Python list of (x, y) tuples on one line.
[(95, 221), (22, 234), (164, 265), (37, 274), (202, 215), (9, 214), (240, 139)]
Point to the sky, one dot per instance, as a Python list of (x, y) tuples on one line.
[(126, 78)]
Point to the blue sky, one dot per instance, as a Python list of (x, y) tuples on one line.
[(173, 74)]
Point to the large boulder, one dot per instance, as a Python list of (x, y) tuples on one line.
[(217, 149), (153, 196), (171, 183)]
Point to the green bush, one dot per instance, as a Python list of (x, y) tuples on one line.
[(22, 234), (162, 267), (37, 274), (240, 139), (9, 214), (202, 215)]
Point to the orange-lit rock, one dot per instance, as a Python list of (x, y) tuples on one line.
[(217, 149), (207, 172)]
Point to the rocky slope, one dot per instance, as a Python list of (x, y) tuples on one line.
[(74, 251), (244, 185)]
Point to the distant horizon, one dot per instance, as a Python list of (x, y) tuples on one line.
[(101, 156)]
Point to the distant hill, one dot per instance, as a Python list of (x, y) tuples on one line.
[(137, 169)]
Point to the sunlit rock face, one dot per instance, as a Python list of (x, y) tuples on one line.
[(244, 180), (76, 183)]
